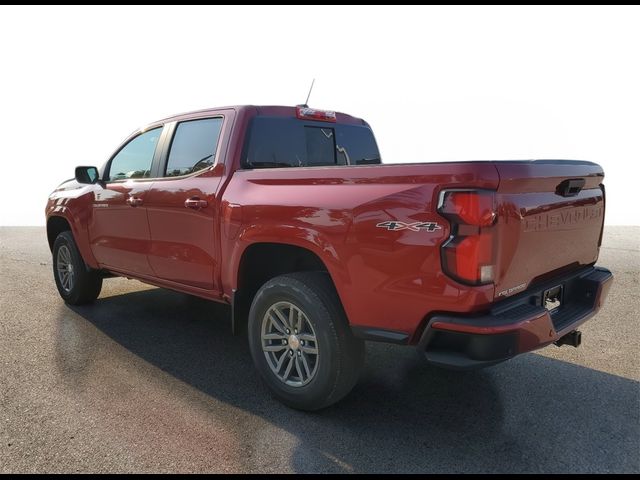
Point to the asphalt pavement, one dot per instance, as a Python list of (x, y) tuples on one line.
[(148, 380)]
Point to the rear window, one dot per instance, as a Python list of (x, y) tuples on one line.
[(287, 142)]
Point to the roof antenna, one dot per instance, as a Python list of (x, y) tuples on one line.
[(306, 103)]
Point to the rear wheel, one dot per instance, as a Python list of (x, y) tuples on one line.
[(301, 342), (76, 284)]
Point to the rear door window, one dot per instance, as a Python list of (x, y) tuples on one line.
[(193, 147)]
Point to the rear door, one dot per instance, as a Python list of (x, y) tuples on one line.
[(550, 219), (182, 204), (118, 229)]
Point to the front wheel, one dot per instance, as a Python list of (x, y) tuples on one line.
[(76, 283), (301, 342)]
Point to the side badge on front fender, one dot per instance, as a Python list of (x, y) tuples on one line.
[(395, 226)]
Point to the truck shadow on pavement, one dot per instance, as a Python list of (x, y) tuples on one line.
[(533, 414)]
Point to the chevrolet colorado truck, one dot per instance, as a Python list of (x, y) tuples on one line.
[(288, 215)]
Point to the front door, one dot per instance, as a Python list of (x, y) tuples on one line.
[(119, 229), (182, 208)]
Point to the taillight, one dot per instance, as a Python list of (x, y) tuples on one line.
[(468, 255), (307, 113)]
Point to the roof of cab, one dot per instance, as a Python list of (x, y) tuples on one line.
[(266, 110)]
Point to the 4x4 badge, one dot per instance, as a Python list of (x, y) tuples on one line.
[(394, 225)]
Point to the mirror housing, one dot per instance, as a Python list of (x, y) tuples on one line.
[(88, 175)]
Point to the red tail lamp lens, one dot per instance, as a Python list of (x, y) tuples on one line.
[(472, 208), (468, 256)]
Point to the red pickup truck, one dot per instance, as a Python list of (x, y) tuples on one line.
[(288, 215)]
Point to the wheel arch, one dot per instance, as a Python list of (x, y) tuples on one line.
[(261, 261), (56, 224)]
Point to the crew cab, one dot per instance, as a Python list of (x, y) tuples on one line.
[(289, 215)]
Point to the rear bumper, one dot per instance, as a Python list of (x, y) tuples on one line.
[(517, 325)]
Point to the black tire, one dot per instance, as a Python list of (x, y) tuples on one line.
[(86, 284), (340, 355)]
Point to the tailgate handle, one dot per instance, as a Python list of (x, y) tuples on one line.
[(570, 187)]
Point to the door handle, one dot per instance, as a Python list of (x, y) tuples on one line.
[(195, 203), (134, 201)]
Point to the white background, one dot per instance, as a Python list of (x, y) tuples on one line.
[(435, 83)]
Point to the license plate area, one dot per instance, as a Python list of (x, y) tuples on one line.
[(552, 298)]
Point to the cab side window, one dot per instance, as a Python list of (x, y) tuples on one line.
[(135, 158), (193, 147)]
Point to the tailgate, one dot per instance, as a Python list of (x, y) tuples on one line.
[(544, 226)]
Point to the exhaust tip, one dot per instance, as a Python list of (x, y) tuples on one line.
[(572, 338)]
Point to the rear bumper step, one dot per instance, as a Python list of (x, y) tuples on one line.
[(517, 325)]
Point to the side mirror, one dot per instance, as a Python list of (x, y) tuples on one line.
[(88, 175)]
